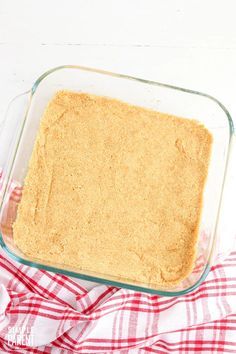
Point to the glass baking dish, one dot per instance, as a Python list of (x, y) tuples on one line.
[(21, 128)]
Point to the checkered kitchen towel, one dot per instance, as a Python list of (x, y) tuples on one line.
[(43, 312), (51, 313)]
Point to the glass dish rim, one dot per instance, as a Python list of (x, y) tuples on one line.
[(21, 260)]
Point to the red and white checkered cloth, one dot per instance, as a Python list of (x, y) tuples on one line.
[(67, 318), (43, 312)]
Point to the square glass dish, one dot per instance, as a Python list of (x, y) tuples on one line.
[(21, 127)]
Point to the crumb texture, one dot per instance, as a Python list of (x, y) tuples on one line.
[(114, 189)]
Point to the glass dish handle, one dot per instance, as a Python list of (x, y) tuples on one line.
[(15, 115), (226, 229)]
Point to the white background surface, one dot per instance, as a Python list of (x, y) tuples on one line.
[(186, 43)]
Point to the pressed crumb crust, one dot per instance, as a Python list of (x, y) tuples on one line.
[(114, 189)]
